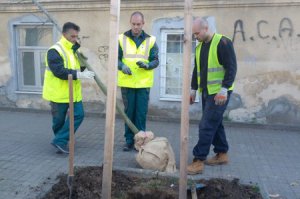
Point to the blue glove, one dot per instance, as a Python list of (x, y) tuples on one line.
[(142, 65), (126, 70)]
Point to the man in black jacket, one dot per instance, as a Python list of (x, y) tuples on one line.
[(213, 75)]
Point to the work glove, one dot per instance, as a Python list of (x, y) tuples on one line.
[(86, 74), (143, 65), (221, 97), (126, 70), (193, 96)]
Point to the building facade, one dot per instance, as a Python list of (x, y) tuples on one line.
[(266, 38)]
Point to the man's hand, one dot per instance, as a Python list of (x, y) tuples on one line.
[(221, 97), (126, 70), (193, 96), (143, 65), (86, 74)]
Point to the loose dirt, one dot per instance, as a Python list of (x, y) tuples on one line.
[(88, 180)]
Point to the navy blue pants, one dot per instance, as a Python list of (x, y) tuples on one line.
[(136, 107), (211, 129), (60, 121)]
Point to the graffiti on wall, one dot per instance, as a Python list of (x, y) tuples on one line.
[(103, 53), (285, 30)]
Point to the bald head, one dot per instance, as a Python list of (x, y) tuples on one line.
[(201, 30), (201, 22), (137, 14)]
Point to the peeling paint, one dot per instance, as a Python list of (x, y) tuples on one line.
[(259, 89), (246, 115), (282, 110)]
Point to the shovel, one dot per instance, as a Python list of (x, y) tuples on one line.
[(71, 137)]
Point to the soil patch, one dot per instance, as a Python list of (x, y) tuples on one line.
[(88, 181)]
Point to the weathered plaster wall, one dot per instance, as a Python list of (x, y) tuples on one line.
[(267, 47), (266, 37)]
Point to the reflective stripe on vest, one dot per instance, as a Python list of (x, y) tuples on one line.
[(63, 53), (55, 89), (215, 71), (140, 77), (141, 56)]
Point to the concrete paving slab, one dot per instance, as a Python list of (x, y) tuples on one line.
[(29, 165)]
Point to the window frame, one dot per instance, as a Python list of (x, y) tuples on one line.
[(37, 50), (163, 96)]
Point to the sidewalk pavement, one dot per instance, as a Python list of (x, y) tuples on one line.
[(29, 164)]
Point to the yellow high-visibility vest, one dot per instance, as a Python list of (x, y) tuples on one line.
[(140, 77), (55, 89), (215, 71)]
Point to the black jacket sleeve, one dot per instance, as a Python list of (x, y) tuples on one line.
[(227, 58), (153, 57), (194, 82), (56, 65), (120, 56)]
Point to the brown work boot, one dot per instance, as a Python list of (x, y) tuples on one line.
[(196, 167), (219, 158)]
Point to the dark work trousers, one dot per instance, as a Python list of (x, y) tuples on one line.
[(211, 129), (60, 121), (136, 107)]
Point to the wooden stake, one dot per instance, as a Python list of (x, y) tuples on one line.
[(187, 51), (71, 136), (111, 98)]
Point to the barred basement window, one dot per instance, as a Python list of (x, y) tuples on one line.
[(171, 64), (31, 42)]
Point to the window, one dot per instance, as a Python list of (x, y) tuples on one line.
[(31, 42), (172, 64)]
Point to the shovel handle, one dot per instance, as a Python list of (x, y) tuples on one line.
[(104, 90), (71, 119)]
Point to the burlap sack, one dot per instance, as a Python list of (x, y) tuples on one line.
[(142, 138), (157, 155)]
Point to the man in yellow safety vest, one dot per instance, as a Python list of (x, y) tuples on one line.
[(61, 60), (138, 56), (213, 75)]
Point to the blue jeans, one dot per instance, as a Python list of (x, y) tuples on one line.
[(60, 121), (136, 107), (211, 129)]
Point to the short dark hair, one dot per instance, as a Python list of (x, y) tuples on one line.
[(69, 25), (137, 13)]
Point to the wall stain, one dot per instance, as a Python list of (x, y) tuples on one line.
[(256, 84)]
